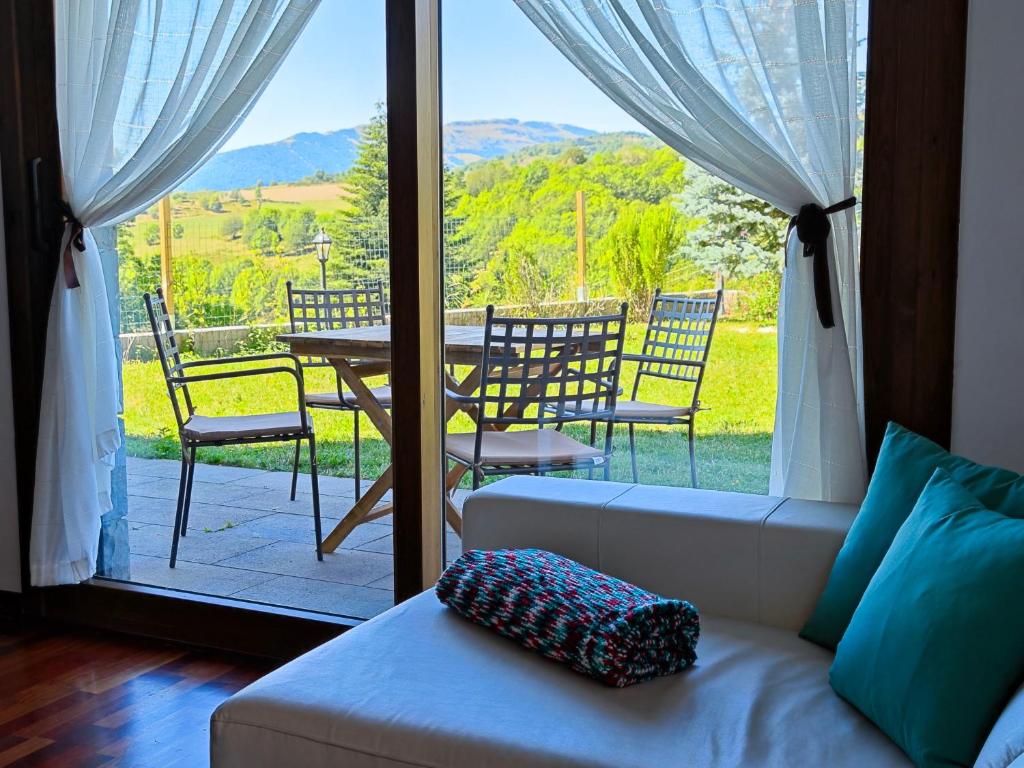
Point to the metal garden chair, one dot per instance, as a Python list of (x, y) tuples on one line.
[(676, 347), (196, 431), (322, 310), (541, 373)]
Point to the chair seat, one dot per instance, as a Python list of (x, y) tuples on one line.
[(629, 410), (522, 449), (331, 399), (212, 428)]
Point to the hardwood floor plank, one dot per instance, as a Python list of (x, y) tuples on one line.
[(88, 699)]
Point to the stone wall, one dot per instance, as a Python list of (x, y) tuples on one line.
[(208, 342)]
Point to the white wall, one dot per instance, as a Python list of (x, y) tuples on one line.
[(988, 385), (10, 564)]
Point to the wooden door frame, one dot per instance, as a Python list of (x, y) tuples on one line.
[(913, 136), (911, 209)]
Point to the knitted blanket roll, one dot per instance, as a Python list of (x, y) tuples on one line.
[(598, 625)]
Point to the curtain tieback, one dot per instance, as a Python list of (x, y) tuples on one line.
[(77, 240), (812, 229)]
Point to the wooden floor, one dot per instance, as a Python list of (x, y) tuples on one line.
[(81, 700)]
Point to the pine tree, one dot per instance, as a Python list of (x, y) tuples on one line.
[(360, 234)]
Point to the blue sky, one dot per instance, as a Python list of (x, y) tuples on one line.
[(495, 64)]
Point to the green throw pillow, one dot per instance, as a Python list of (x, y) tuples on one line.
[(934, 650), (905, 463)]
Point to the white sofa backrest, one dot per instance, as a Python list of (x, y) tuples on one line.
[(742, 556)]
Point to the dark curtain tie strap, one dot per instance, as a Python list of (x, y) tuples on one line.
[(77, 240), (812, 229)]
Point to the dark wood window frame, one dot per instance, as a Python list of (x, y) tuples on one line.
[(916, 62)]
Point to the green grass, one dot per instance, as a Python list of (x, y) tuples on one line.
[(733, 437)]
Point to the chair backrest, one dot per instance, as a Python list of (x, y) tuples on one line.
[(540, 371), (167, 351), (678, 337), (328, 310)]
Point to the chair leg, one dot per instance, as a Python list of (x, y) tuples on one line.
[(593, 442), (178, 508), (632, 451), (316, 499), (355, 449), (295, 467), (188, 491), (184, 499), (476, 479), (693, 457)]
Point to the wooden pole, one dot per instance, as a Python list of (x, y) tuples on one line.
[(581, 246), (166, 264)]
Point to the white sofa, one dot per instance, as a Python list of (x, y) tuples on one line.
[(419, 686)]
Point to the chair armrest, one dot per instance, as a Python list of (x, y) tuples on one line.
[(296, 373), (460, 398), (213, 361), (635, 358)]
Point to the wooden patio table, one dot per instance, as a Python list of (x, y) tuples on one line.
[(360, 353)]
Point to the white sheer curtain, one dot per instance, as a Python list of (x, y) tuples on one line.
[(146, 91), (762, 94)]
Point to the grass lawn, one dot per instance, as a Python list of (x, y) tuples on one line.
[(733, 437)]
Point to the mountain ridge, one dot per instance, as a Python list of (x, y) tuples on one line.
[(305, 153)]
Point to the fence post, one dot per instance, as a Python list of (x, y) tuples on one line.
[(581, 246), (166, 265)]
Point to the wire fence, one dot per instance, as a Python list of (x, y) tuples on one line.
[(223, 276)]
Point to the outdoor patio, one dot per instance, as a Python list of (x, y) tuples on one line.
[(247, 540)]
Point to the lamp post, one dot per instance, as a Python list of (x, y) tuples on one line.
[(322, 243)]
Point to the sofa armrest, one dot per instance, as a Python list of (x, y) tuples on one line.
[(742, 556)]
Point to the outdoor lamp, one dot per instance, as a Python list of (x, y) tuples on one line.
[(322, 243)]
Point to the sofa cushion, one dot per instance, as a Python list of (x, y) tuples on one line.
[(906, 462), (418, 686), (932, 653)]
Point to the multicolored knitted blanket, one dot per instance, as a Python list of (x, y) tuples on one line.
[(600, 626)]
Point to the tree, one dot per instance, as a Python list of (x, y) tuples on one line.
[(261, 230), (231, 226), (736, 234), (360, 234), (297, 229), (177, 230), (639, 246), (257, 194)]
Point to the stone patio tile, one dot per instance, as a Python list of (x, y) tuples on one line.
[(277, 500), (146, 509), (384, 546), (207, 493), (313, 595), (193, 577), (197, 547), (153, 467), (282, 481), (216, 473), (348, 566), (140, 484), (281, 526)]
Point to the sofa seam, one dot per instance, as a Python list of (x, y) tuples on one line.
[(600, 524), (224, 721), (759, 556)]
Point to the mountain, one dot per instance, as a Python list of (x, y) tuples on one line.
[(305, 153)]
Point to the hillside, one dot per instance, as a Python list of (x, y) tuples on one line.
[(305, 153)]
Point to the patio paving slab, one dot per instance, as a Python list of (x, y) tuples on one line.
[(281, 526), (312, 595), (248, 540), (193, 577), (284, 558), (197, 547), (145, 509)]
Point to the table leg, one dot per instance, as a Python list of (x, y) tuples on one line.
[(362, 512)]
